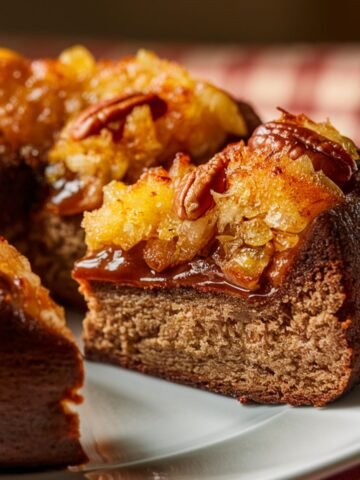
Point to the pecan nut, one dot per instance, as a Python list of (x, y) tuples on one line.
[(285, 136), (193, 195), (100, 115)]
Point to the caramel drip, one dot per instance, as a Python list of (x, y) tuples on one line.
[(129, 268), (71, 196)]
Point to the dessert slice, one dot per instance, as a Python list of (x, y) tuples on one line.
[(140, 111), (71, 125), (41, 371), (240, 276), (36, 97)]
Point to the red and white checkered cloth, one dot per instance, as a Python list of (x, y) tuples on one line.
[(321, 82)]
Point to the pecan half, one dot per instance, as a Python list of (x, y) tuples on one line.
[(295, 140), (100, 115), (193, 195)]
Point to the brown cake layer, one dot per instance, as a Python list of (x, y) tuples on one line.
[(54, 244), (298, 345), (40, 373)]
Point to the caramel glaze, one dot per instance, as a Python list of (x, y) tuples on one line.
[(70, 195), (66, 192), (114, 265)]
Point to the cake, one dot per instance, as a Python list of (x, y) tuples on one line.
[(41, 371), (31, 110), (71, 125), (240, 276)]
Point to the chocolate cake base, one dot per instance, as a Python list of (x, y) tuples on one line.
[(299, 344), (51, 242), (40, 372)]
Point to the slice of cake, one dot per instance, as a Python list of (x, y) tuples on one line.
[(240, 276), (72, 124), (41, 371), (32, 108), (138, 113), (37, 98)]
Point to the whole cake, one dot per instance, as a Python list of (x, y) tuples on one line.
[(240, 275), (41, 372)]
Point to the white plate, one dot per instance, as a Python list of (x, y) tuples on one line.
[(137, 427)]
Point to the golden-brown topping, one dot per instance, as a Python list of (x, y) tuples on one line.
[(107, 112), (25, 287), (79, 62), (245, 208), (297, 135), (40, 97), (97, 121), (269, 202), (126, 128), (36, 98)]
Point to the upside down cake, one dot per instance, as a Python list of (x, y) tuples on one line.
[(41, 372), (240, 275), (71, 125)]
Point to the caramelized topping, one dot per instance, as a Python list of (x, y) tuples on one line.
[(297, 135), (18, 280), (138, 113), (106, 112), (245, 211), (36, 99), (99, 121)]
